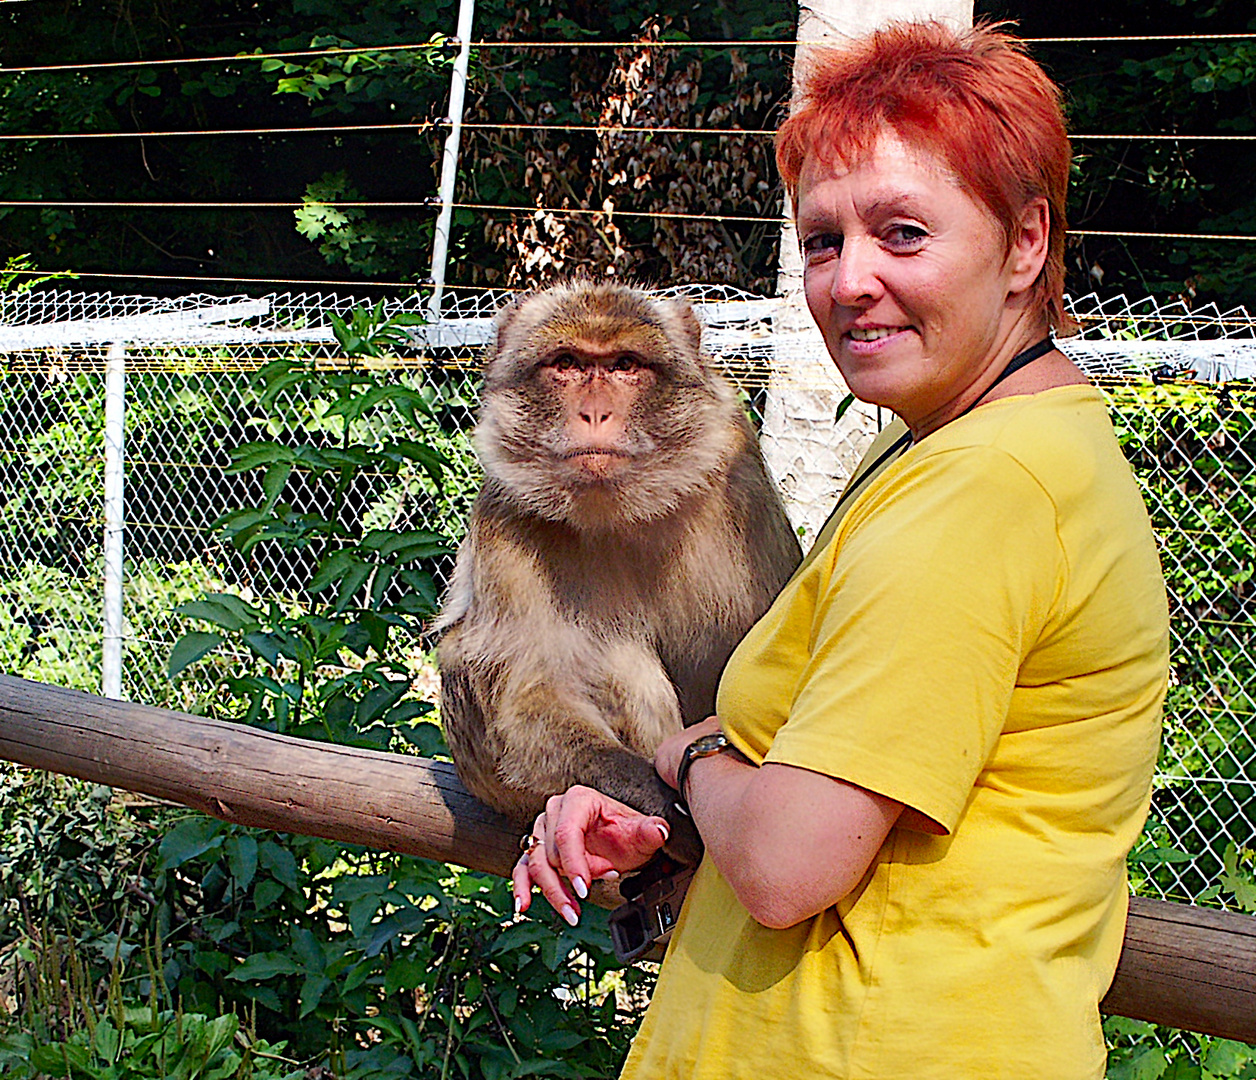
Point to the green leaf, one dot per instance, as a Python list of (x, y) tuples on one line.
[(52, 1059), (1236, 880), (190, 648), (267, 646), (274, 481), (380, 699), (355, 577), (332, 569), (404, 922), (311, 993), (266, 893), (281, 863), (255, 454), (261, 966), (219, 1032), (222, 609), (426, 737), (241, 852), (188, 839), (406, 973)]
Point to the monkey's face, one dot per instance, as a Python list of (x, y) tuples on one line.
[(599, 409)]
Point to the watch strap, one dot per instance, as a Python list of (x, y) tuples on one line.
[(702, 746)]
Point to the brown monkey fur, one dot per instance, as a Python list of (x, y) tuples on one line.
[(626, 538)]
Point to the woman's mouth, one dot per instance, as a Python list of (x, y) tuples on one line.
[(873, 333)]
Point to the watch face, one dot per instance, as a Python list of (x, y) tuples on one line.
[(708, 744)]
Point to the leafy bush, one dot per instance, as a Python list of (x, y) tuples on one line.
[(363, 963)]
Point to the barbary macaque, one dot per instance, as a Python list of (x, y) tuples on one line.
[(626, 537)]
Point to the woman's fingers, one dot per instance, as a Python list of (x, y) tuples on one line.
[(521, 884), (583, 836), (535, 868)]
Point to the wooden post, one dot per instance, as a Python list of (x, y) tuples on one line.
[(253, 777), (1182, 966)]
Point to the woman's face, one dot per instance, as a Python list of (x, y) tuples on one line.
[(910, 281)]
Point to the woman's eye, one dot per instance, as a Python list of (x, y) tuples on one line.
[(905, 236), (822, 244)]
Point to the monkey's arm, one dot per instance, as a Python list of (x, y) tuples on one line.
[(529, 727), (579, 747), (789, 841)]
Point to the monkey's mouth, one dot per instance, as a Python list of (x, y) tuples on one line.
[(599, 463), (596, 452)]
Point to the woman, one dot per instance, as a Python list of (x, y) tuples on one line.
[(945, 727)]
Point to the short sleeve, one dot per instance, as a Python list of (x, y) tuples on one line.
[(943, 576)]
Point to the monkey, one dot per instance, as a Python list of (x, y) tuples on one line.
[(626, 537)]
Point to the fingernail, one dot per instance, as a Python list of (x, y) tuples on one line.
[(582, 890), (569, 914), (666, 833), (610, 875), (518, 904)]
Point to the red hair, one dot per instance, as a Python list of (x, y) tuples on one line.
[(972, 98)]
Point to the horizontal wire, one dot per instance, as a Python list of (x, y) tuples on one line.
[(574, 210), (296, 54), (1162, 235), (600, 129), (444, 43), (75, 274), (425, 204), (331, 129), (137, 204), (735, 217)]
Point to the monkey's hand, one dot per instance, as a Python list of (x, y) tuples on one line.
[(584, 836)]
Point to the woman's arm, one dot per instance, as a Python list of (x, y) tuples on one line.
[(790, 842)]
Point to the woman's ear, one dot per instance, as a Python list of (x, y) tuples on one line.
[(1029, 249)]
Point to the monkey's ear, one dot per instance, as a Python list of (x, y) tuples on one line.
[(683, 323), (501, 324)]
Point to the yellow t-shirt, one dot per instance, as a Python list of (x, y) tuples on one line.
[(985, 639)]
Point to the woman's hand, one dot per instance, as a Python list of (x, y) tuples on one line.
[(583, 836)]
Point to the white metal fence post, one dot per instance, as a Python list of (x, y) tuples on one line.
[(115, 426), (449, 162)]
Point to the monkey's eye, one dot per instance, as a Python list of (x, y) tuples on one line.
[(625, 362), (564, 362)]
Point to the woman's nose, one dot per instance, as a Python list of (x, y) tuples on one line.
[(855, 279)]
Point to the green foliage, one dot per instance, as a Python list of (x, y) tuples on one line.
[(42, 609), (1140, 1051), (1195, 85), (161, 1046), (224, 951), (376, 965), (1188, 444), (323, 665)]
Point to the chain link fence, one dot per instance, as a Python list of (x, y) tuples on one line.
[(95, 496)]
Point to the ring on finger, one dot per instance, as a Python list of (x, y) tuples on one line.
[(529, 842)]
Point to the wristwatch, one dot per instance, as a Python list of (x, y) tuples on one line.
[(702, 746)]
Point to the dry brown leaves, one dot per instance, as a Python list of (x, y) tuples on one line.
[(609, 177)]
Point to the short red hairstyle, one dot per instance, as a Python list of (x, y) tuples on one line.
[(972, 98)]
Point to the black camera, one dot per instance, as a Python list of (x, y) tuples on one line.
[(647, 919)]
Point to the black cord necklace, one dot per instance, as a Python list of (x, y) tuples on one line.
[(1020, 360)]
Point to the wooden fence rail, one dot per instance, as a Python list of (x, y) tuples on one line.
[(1182, 966)]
